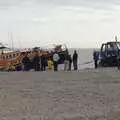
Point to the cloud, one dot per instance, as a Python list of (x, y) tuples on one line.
[(98, 4), (47, 11), (71, 20), (8, 3), (39, 20)]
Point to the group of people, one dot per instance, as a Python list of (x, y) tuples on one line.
[(40, 63), (67, 61)]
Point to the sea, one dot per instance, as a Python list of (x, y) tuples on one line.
[(85, 58)]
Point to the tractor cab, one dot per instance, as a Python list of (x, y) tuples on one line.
[(108, 53)]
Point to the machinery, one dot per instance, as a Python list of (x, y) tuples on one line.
[(108, 54)]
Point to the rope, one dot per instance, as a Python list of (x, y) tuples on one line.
[(85, 63)]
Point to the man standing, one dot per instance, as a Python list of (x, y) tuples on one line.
[(96, 58), (26, 62), (66, 62), (75, 60), (118, 60), (43, 63), (36, 61), (70, 62), (55, 61)]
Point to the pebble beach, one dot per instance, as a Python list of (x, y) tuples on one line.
[(77, 95)]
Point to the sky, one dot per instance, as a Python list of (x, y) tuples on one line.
[(76, 23)]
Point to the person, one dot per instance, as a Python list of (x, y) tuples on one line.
[(56, 58), (50, 64), (75, 60), (66, 62), (26, 62), (31, 56), (36, 61), (96, 58), (43, 63), (118, 60), (70, 62)]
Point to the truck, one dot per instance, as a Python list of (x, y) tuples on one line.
[(108, 54)]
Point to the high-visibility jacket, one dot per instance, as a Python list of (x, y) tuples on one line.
[(50, 64)]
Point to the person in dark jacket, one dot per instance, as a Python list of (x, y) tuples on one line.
[(118, 60), (75, 60), (96, 58), (26, 62), (70, 62), (43, 63), (36, 62)]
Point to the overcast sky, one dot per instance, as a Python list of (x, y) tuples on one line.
[(77, 23)]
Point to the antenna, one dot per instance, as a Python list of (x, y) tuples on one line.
[(20, 43)]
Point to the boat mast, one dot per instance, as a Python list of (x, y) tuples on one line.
[(116, 38), (8, 37), (12, 41)]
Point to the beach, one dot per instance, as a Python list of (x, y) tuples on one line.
[(77, 95)]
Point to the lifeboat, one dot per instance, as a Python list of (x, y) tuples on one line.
[(9, 59)]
